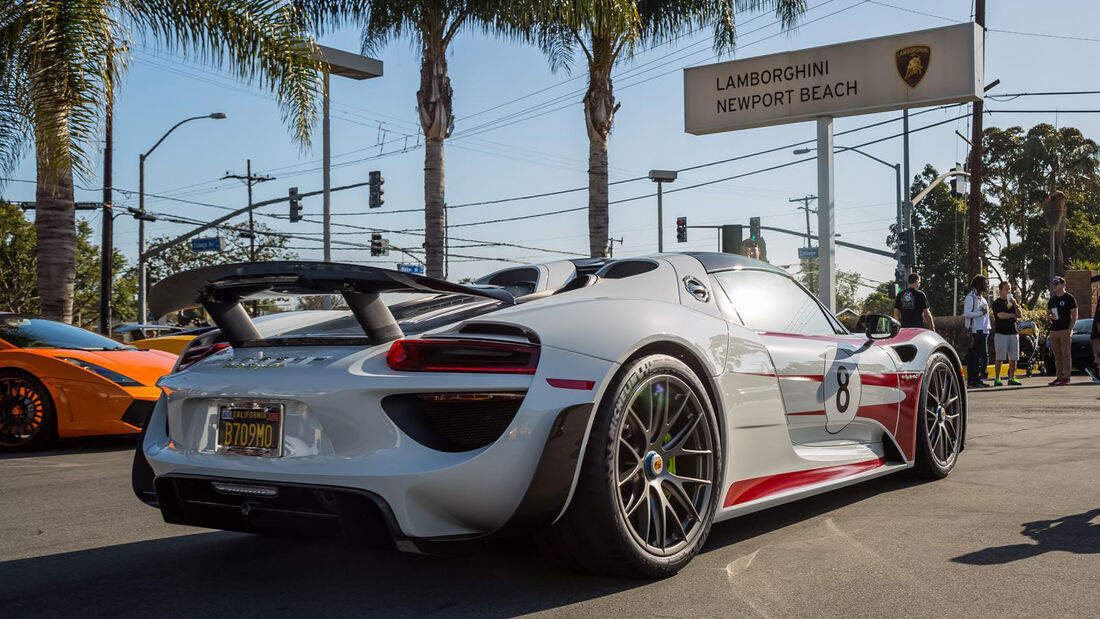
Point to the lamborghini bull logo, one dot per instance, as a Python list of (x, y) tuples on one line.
[(912, 63)]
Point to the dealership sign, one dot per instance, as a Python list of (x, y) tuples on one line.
[(930, 67)]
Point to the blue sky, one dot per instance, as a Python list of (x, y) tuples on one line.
[(519, 130)]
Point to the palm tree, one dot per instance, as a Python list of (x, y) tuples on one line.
[(606, 32), (432, 25), (59, 62)]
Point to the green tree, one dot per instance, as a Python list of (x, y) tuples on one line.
[(18, 289), (939, 222), (1022, 169), (59, 64), (881, 300), (606, 32), (18, 281)]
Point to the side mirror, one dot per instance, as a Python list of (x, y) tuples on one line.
[(882, 327)]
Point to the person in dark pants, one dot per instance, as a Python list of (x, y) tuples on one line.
[(1062, 311), (976, 318), (1094, 339), (911, 306)]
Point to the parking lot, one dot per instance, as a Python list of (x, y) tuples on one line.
[(1014, 531)]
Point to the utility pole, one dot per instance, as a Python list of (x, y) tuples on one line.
[(611, 246), (974, 258), (806, 207), (250, 180), (106, 245)]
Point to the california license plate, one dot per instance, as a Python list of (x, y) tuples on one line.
[(252, 429)]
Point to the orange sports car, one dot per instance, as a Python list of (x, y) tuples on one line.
[(57, 380)]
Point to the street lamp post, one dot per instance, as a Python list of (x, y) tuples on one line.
[(661, 177), (142, 216), (903, 214)]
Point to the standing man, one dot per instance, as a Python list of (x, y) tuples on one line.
[(1006, 343), (1062, 311), (911, 305), (976, 318)]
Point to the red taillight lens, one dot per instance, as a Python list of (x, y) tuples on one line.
[(463, 356), (193, 355)]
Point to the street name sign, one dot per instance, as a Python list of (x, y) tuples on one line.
[(206, 244), (916, 69), (806, 253), (416, 269)]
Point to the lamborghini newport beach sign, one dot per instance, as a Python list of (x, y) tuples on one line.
[(916, 69)]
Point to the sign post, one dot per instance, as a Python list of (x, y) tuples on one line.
[(915, 69)]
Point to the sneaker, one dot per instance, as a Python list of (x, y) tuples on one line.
[(1016, 383), (1055, 382), (1065, 381), (997, 383), (978, 385)]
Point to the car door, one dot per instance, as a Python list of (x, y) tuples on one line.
[(837, 388)]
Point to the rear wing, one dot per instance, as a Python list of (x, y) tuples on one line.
[(220, 290)]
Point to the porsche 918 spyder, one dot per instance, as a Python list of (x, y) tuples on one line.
[(57, 380), (616, 416)]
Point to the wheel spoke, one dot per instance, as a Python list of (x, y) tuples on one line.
[(669, 510), (683, 435), (660, 528), (632, 474), (677, 490), (660, 411)]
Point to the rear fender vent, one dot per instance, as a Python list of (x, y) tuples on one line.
[(497, 329), (906, 352), (137, 414), (453, 422)]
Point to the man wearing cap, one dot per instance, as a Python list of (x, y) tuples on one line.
[(1062, 311)]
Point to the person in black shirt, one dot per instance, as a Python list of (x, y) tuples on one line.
[(1006, 343), (1062, 311), (911, 306)]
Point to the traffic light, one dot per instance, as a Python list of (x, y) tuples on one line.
[(732, 235), (681, 229), (295, 205), (376, 191), (754, 228), (906, 242), (376, 243)]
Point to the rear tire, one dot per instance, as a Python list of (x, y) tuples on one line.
[(27, 417), (941, 419), (651, 476)]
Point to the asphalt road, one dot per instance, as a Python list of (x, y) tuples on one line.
[(1014, 531)]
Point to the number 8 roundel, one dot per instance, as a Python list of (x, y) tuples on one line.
[(841, 389)]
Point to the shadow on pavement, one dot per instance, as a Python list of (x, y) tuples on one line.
[(222, 574), (91, 444), (1076, 534)]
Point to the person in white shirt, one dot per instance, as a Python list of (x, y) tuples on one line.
[(976, 318)]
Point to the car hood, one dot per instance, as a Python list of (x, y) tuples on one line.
[(144, 366)]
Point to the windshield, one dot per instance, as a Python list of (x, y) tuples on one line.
[(1083, 326), (27, 332)]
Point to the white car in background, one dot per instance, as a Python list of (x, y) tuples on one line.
[(615, 415)]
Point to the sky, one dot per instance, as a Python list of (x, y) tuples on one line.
[(519, 130)]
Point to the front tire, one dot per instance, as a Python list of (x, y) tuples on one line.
[(650, 479), (941, 419), (27, 417)]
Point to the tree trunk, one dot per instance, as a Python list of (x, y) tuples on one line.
[(434, 105), (599, 113), (55, 224)]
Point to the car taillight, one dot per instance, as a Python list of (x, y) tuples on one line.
[(463, 356), (193, 355)]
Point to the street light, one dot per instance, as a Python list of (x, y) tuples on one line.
[(142, 216), (904, 215), (661, 177)]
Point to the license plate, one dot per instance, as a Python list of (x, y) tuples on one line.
[(251, 429)]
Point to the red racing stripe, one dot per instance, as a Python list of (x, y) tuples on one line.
[(759, 487)]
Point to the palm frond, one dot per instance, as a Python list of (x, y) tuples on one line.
[(261, 41)]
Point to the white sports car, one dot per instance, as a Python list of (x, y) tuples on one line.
[(616, 415)]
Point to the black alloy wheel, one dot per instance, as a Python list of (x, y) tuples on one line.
[(27, 419)]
